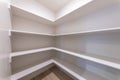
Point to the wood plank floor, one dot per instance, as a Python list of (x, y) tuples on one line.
[(53, 74)]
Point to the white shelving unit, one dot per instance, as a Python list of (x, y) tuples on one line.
[(36, 24), (42, 65)]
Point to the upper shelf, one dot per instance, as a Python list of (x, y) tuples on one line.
[(78, 72), (108, 30), (29, 15), (66, 15), (36, 33), (14, 54)]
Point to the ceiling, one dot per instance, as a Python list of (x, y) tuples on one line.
[(54, 5)]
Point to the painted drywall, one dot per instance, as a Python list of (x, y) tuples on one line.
[(5, 48), (22, 42), (34, 7), (24, 24), (107, 17)]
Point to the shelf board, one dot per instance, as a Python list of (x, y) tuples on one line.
[(114, 63), (29, 15), (14, 54), (36, 33), (111, 62), (108, 30), (77, 72), (42, 65), (85, 10), (66, 17)]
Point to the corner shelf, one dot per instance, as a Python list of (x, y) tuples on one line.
[(35, 33), (114, 63), (108, 30), (111, 62), (14, 54), (30, 70), (42, 65)]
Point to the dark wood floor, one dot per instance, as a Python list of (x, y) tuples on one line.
[(53, 74)]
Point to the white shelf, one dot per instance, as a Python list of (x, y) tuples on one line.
[(14, 54), (42, 65), (66, 17), (114, 63), (108, 30), (29, 15), (111, 62), (36, 33), (77, 72), (30, 70)]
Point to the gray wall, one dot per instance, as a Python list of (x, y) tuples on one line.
[(21, 42)]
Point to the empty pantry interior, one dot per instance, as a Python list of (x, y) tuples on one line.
[(60, 40)]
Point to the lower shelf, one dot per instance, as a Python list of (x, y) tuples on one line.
[(42, 65), (77, 72)]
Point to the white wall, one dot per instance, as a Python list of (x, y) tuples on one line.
[(34, 7), (4, 16), (4, 41), (100, 19)]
